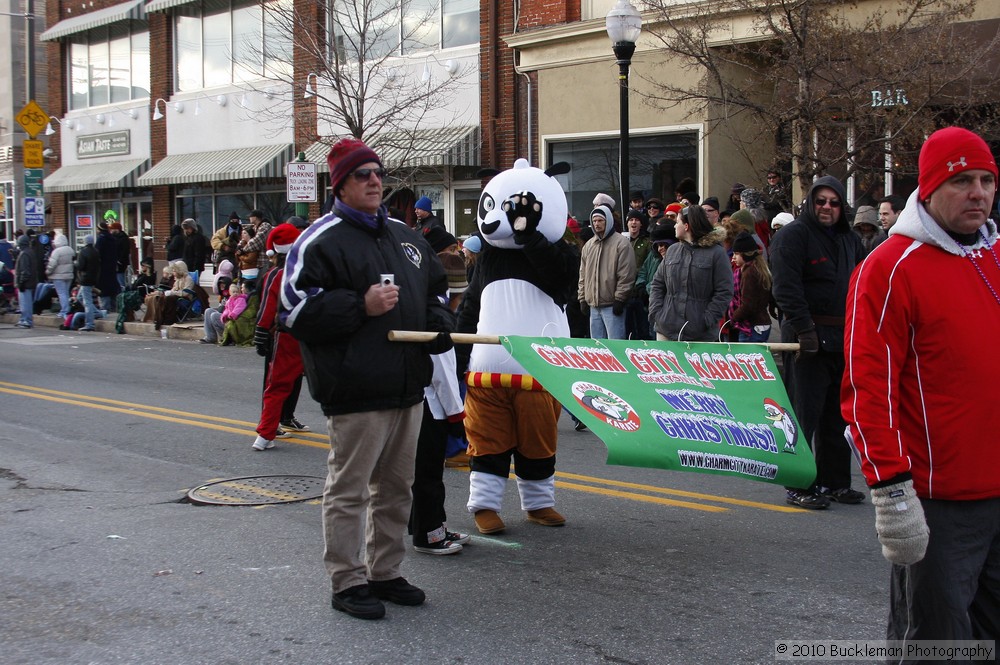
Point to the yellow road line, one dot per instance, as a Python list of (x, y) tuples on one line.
[(91, 401), (177, 417), (642, 497), (685, 493)]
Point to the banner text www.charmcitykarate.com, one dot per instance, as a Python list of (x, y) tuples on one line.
[(867, 650)]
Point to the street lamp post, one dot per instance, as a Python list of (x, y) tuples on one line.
[(624, 24)]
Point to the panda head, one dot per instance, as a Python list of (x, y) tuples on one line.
[(518, 189)]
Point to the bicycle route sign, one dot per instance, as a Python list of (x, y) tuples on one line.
[(32, 118)]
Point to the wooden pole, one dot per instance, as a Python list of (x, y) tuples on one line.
[(468, 338)]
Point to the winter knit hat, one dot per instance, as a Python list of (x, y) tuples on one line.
[(424, 203), (573, 226), (225, 268), (234, 216), (751, 198), (604, 200), (604, 212), (634, 214), (711, 202), (88, 240), (674, 208), (454, 267), (439, 239), (744, 243), (345, 156), (743, 217), (473, 244), (692, 198), (948, 152), (281, 238), (781, 219), (663, 232), (866, 215)]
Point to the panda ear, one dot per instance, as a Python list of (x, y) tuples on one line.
[(558, 168), (487, 173)]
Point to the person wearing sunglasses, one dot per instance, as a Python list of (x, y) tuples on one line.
[(350, 278), (811, 263)]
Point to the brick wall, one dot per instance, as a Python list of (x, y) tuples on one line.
[(161, 86), (308, 13), (55, 54), (542, 13), (504, 93)]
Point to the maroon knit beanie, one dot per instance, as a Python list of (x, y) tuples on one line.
[(345, 156), (948, 152)]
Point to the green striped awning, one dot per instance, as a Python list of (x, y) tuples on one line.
[(98, 175), (440, 146), (127, 11), (266, 161)]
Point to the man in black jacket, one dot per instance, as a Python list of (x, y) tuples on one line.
[(811, 264), (88, 272), (349, 279)]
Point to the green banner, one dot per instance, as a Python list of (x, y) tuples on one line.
[(703, 407)]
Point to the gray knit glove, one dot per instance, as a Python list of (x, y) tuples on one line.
[(900, 523)]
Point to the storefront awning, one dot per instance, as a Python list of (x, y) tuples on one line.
[(267, 161), (449, 146), (99, 175), (160, 5), (132, 10)]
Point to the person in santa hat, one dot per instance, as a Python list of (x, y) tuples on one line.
[(283, 373)]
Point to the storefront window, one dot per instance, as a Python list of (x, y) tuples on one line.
[(212, 212), (656, 164)]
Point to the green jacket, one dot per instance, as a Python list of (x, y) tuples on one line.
[(239, 331)]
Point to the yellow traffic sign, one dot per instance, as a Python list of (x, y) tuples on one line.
[(33, 157), (32, 118)]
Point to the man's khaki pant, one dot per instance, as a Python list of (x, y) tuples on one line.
[(370, 465)]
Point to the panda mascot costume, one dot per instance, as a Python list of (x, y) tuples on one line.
[(518, 288)]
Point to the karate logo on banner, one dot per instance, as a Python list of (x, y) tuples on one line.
[(702, 407)]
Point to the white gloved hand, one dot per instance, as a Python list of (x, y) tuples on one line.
[(900, 523)]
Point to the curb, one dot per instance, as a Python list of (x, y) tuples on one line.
[(185, 332)]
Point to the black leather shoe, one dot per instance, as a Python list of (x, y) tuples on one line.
[(359, 602), (397, 591)]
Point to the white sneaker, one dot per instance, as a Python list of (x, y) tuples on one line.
[(262, 444)]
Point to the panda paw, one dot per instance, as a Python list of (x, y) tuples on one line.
[(524, 213)]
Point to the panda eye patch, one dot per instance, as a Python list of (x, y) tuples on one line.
[(486, 204)]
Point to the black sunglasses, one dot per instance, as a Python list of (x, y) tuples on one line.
[(833, 203), (362, 175)]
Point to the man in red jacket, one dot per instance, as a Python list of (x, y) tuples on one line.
[(919, 393)]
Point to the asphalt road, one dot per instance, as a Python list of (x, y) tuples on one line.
[(100, 562)]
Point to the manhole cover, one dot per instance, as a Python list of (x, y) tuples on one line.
[(258, 490)]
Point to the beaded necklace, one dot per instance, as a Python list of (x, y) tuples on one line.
[(972, 255)]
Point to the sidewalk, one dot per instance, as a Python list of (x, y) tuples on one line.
[(189, 332)]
